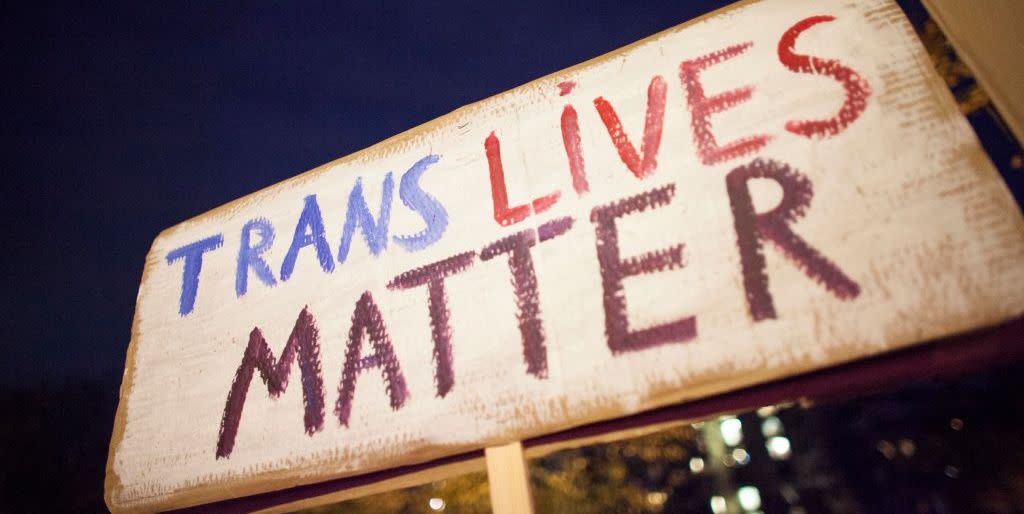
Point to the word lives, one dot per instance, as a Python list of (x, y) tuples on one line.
[(369, 346)]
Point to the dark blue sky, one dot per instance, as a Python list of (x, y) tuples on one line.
[(124, 120)]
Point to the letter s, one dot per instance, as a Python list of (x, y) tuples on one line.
[(857, 89), (421, 202)]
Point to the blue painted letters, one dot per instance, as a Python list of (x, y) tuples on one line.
[(375, 233), (193, 255), (308, 231), (431, 210), (258, 235), (250, 256)]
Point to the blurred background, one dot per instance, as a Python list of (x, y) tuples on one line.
[(124, 119), (929, 447)]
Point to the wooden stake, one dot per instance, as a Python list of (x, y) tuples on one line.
[(508, 479)]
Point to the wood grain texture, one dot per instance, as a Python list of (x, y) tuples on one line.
[(508, 479), (832, 205)]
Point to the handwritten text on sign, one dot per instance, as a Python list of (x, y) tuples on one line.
[(777, 188)]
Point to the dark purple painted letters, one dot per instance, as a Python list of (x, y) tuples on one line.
[(367, 322), (773, 226), (524, 283), (433, 276), (305, 341), (613, 270)]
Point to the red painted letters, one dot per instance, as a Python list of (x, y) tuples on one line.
[(702, 107), (752, 229), (574, 149), (653, 123), (504, 215), (857, 89)]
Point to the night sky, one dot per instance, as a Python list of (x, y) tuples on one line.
[(122, 121)]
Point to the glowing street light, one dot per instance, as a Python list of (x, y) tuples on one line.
[(732, 431), (718, 505), (778, 448), (749, 497)]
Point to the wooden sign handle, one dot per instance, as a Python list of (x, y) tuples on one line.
[(509, 479)]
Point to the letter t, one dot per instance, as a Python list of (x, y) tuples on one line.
[(193, 255)]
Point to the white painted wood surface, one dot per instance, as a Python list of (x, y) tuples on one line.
[(905, 204)]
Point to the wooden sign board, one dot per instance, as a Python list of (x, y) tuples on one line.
[(776, 188)]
